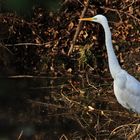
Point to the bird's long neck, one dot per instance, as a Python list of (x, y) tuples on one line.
[(112, 59)]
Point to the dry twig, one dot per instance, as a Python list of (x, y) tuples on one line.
[(78, 28)]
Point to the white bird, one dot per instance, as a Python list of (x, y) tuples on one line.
[(126, 87)]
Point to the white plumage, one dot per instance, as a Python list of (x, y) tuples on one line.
[(126, 87)]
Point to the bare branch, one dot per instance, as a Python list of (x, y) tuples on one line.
[(78, 28)]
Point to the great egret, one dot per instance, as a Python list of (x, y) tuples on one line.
[(126, 87)]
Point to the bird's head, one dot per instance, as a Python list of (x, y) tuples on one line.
[(98, 18)]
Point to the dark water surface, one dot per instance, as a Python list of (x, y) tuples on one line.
[(18, 117)]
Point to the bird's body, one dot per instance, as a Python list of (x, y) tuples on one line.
[(126, 87), (127, 91)]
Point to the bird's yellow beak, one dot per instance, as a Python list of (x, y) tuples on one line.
[(87, 19)]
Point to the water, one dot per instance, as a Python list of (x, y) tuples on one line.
[(25, 102)]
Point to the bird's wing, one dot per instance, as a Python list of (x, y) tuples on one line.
[(132, 85), (128, 83)]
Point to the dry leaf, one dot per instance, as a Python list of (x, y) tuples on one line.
[(70, 26)]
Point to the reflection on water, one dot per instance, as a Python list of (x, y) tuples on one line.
[(46, 108), (16, 117)]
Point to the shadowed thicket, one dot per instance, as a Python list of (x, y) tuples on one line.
[(55, 82)]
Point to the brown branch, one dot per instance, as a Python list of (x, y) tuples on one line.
[(28, 44), (89, 82), (121, 11), (20, 135), (135, 133), (29, 76), (78, 28)]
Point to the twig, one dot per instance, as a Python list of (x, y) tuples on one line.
[(3, 46), (88, 78), (63, 137), (129, 5), (78, 28), (89, 82), (22, 76), (20, 135), (135, 134), (132, 136), (121, 11), (73, 86), (31, 76), (27, 44)]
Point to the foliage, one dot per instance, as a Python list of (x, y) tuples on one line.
[(54, 95)]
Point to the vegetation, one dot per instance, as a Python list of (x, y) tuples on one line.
[(54, 77)]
